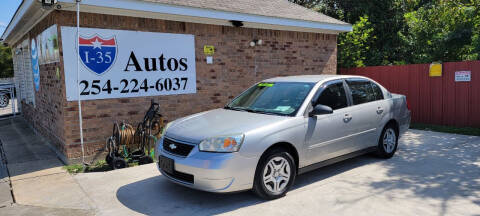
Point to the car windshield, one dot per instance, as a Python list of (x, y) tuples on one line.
[(278, 98)]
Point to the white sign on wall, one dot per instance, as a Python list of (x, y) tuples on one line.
[(47, 46), (463, 76), (119, 63)]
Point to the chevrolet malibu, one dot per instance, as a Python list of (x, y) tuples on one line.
[(280, 128)]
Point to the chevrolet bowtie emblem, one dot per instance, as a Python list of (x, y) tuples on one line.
[(172, 146)]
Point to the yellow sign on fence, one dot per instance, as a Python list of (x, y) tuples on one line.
[(208, 50), (435, 70)]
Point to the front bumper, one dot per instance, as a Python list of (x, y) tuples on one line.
[(214, 172)]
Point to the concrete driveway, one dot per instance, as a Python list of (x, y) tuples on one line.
[(431, 174), (32, 180)]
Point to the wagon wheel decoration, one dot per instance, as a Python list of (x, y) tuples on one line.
[(153, 129), (157, 125), (110, 149), (139, 136)]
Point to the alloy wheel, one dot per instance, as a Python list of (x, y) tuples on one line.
[(276, 175), (389, 140)]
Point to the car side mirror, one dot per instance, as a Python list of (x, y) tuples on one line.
[(320, 109)]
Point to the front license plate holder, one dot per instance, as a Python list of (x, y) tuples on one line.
[(166, 164)]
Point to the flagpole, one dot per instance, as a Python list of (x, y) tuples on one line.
[(78, 84)]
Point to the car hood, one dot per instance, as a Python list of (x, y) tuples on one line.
[(197, 127)]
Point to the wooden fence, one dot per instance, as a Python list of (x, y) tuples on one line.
[(433, 100)]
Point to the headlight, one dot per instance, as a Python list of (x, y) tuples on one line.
[(164, 130), (230, 143)]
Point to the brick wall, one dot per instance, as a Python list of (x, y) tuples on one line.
[(283, 53), (46, 115)]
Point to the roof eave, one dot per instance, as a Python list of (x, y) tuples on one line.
[(201, 15), (28, 14)]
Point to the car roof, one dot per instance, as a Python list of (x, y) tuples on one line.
[(310, 78)]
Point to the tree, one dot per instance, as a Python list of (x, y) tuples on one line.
[(6, 63), (353, 46), (404, 31), (385, 19), (443, 30)]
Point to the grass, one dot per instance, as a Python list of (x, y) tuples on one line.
[(99, 166), (74, 168), (446, 129)]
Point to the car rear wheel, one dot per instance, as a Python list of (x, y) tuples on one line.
[(388, 142), (3, 100), (275, 174)]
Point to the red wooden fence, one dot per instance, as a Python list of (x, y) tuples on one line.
[(433, 100)]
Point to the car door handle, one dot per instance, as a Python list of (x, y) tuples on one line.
[(379, 110), (347, 118)]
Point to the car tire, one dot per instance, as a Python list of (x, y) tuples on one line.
[(280, 169), (388, 142), (4, 100)]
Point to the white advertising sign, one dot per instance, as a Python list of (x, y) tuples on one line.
[(463, 76), (120, 64)]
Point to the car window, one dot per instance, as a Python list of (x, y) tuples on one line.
[(333, 96), (362, 91), (378, 91), (282, 98)]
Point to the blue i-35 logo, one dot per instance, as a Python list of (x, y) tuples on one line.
[(98, 54)]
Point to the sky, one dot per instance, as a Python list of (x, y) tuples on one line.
[(7, 10)]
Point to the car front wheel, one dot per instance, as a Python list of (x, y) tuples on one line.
[(275, 174), (3, 100)]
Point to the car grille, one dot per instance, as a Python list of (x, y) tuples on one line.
[(176, 148)]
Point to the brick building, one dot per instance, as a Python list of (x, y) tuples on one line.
[(252, 40)]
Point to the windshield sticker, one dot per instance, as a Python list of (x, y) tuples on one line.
[(283, 108), (265, 84)]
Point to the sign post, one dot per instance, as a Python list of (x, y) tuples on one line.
[(78, 88)]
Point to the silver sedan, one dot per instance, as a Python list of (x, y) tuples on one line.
[(280, 128)]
